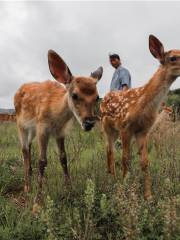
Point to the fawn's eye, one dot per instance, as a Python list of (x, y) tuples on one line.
[(97, 98), (75, 96), (173, 59)]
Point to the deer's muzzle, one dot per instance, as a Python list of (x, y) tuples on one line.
[(88, 123)]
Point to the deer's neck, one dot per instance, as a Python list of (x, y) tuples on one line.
[(157, 88), (72, 108), (63, 109)]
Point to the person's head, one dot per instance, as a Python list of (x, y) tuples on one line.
[(114, 60)]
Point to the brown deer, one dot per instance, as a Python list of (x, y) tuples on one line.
[(133, 112), (47, 108), (6, 117), (165, 115), (162, 130)]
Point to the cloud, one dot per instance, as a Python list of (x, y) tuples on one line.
[(83, 33)]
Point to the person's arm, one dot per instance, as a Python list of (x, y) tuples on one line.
[(115, 83), (125, 79)]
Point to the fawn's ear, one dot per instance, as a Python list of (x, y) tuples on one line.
[(58, 68), (156, 48), (97, 74)]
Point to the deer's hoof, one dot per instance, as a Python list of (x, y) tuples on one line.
[(148, 196), (36, 209), (26, 188), (112, 173), (67, 182), (38, 202)]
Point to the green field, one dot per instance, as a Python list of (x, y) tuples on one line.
[(96, 206)]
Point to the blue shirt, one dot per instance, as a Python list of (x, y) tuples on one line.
[(120, 78)]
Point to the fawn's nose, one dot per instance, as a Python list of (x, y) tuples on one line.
[(88, 123)]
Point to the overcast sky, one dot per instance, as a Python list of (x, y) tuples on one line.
[(83, 34)]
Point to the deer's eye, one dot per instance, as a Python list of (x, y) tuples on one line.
[(75, 96), (173, 59), (97, 98)]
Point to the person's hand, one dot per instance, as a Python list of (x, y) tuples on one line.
[(125, 87)]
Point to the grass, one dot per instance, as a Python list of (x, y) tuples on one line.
[(96, 206)]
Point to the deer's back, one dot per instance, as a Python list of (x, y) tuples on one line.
[(126, 109), (38, 100)]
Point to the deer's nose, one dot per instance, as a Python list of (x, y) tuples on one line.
[(88, 123)]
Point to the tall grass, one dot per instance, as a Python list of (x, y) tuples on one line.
[(96, 206)]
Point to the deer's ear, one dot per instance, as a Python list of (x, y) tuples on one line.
[(58, 68), (97, 74), (156, 48)]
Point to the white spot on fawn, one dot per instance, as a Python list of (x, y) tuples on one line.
[(126, 105)]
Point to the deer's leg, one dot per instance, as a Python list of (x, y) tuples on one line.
[(63, 157), (111, 135), (27, 167), (110, 156), (26, 152), (30, 168), (144, 162), (43, 138), (126, 141), (111, 138), (31, 135)]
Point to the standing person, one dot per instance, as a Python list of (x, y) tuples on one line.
[(121, 79)]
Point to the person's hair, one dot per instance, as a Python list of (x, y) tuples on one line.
[(113, 56)]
